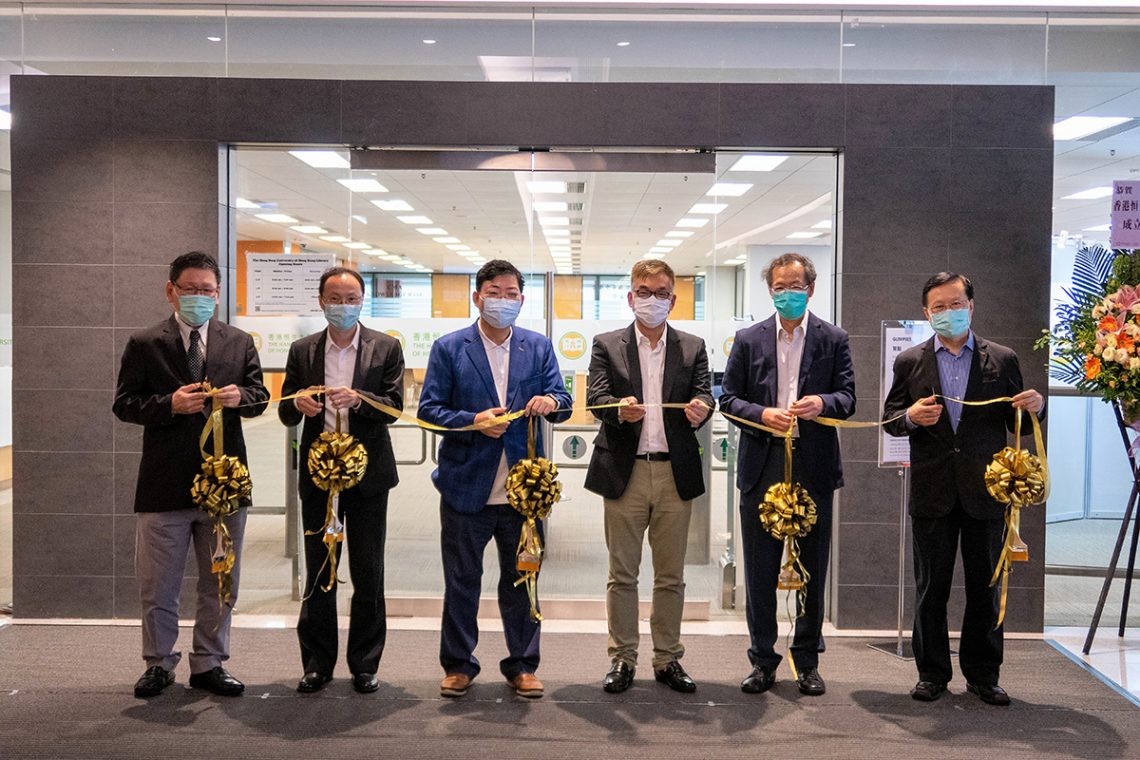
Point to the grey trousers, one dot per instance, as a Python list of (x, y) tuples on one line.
[(162, 544), (650, 503)]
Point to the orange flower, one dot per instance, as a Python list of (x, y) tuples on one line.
[(1092, 368), (1108, 324), (1125, 341)]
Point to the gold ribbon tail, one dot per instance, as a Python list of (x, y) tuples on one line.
[(331, 533), (528, 558)]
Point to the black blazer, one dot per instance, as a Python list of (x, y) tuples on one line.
[(153, 367), (615, 372), (379, 375), (946, 466), (750, 379)]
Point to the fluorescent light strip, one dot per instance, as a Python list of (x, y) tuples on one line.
[(729, 189), (708, 208), (243, 203), (1085, 195), (804, 235), (692, 222), (335, 238), (669, 242), (824, 225), (357, 246), (308, 229), (550, 206), (393, 205), (446, 239), (679, 233), (277, 218), (414, 219), (545, 186), (431, 230)]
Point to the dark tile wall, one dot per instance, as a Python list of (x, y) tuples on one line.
[(933, 177)]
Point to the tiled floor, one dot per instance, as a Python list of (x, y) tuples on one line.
[(1112, 658)]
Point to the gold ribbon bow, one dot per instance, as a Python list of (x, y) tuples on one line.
[(337, 462), (219, 488), (532, 491)]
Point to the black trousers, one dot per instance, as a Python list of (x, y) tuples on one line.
[(935, 551), (762, 555), (365, 525)]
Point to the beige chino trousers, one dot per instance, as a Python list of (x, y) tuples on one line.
[(650, 503)]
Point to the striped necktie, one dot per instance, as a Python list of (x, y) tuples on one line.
[(194, 357)]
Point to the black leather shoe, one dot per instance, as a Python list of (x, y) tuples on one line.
[(991, 695), (365, 683), (312, 682), (675, 677), (153, 681), (811, 683), (217, 681), (619, 678), (759, 680), (927, 691)]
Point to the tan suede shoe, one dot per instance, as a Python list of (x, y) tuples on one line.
[(454, 685), (527, 685)]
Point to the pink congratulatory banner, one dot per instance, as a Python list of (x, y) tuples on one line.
[(1125, 222)]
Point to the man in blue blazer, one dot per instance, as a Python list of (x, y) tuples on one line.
[(474, 375), (790, 368)]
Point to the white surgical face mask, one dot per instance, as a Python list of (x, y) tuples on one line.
[(651, 311)]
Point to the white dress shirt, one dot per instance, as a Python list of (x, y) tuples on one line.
[(789, 357), (652, 360), (184, 330), (499, 357), (340, 366)]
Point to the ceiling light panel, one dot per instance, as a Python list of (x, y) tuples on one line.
[(729, 189), (551, 206), (446, 239), (431, 230), (679, 233), (804, 235), (545, 187), (308, 229), (335, 238), (757, 163), (357, 246), (1076, 127), (1085, 195), (414, 219), (707, 208), (322, 159), (393, 205), (692, 222), (277, 218), (363, 185)]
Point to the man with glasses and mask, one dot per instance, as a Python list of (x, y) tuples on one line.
[(160, 388), (646, 465), (783, 373), (349, 362), (950, 446), (475, 375)]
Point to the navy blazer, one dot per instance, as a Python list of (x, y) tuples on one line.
[(458, 385), (379, 375), (947, 465), (153, 367), (615, 373), (749, 386)]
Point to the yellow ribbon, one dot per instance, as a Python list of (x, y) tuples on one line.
[(219, 488), (532, 491)]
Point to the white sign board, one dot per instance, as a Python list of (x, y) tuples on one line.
[(284, 284), (898, 336), (1124, 227)]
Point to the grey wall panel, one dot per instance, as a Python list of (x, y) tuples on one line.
[(63, 544), (64, 358), (69, 232), (932, 177), (773, 115), (1002, 117), (920, 116), (150, 233), (180, 108), (71, 483), (280, 110)]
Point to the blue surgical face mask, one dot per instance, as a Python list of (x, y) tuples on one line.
[(951, 323), (196, 310), (501, 313), (791, 304), (342, 316)]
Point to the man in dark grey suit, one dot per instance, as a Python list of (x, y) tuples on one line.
[(950, 446), (160, 388), (646, 465), (349, 361)]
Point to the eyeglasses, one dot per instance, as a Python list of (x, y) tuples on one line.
[(195, 291), (792, 289), (661, 295), (338, 301), (955, 305)]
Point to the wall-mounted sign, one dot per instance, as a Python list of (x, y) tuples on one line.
[(284, 284), (1124, 225), (898, 336)]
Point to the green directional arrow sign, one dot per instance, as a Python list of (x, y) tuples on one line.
[(574, 447), (720, 449)]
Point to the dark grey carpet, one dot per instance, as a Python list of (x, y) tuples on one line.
[(65, 692)]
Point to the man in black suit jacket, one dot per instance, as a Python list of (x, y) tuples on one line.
[(790, 368), (160, 388), (950, 446), (350, 361), (646, 464)]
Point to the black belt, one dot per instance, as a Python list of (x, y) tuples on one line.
[(654, 456)]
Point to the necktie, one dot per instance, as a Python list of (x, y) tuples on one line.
[(195, 358)]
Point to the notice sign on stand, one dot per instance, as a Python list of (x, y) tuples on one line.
[(1124, 227), (898, 336), (284, 284)]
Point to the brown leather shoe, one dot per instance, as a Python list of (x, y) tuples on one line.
[(454, 685), (527, 685)]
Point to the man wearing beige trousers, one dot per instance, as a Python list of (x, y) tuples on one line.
[(646, 465)]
